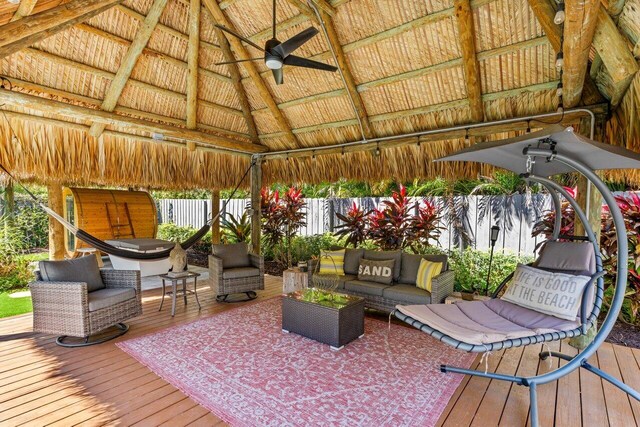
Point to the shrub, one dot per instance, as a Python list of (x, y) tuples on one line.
[(303, 248), (236, 230), (471, 267), (15, 272), (176, 233)]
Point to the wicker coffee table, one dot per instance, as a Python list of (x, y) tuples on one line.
[(327, 317)]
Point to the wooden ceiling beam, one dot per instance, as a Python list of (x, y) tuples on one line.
[(220, 18), (136, 83), (143, 34), (351, 87), (76, 112), (19, 34), (459, 103), (466, 34), (545, 12), (617, 59), (95, 103), (24, 9), (236, 78), (579, 27), (192, 61)]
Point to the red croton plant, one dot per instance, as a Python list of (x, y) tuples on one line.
[(393, 225), (282, 217)]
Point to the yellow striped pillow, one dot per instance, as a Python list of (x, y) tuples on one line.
[(332, 262), (426, 272)]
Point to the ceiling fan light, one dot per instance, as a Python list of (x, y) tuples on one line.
[(273, 63)]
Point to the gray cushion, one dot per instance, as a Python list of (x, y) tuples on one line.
[(367, 288), (341, 279), (569, 257), (232, 256), (352, 259), (411, 264), (394, 255), (104, 298), (83, 269), (407, 294), (376, 271), (240, 272)]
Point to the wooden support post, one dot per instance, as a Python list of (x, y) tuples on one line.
[(56, 230), (192, 61), (256, 214), (24, 32), (215, 209)]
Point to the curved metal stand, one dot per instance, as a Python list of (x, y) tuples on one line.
[(250, 295), (579, 360), (122, 329)]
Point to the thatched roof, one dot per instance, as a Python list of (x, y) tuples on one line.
[(410, 66)]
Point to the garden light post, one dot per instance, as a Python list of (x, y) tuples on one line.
[(495, 230)]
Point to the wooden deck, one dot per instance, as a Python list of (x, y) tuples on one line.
[(43, 384)]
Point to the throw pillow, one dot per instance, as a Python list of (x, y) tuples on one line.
[(376, 271), (555, 294), (83, 269), (426, 272), (332, 262)]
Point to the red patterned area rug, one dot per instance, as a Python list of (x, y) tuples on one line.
[(243, 368)]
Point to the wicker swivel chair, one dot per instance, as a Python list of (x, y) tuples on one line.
[(233, 270), (75, 298)]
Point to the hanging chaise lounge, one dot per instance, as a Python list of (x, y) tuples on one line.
[(485, 326)]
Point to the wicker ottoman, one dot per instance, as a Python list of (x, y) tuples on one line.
[(335, 322)]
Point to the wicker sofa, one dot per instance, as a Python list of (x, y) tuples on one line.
[(403, 290)]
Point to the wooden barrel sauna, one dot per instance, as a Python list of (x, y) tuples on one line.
[(108, 214)]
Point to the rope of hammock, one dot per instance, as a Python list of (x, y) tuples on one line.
[(105, 247)]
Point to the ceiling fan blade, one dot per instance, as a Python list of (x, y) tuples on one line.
[(297, 61), (236, 35), (239, 60), (278, 76), (286, 48)]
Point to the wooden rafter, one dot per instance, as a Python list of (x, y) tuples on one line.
[(237, 84), (545, 12), (108, 118), (466, 33), (261, 86), (579, 27), (192, 61), (25, 9), (128, 62), (616, 57), (24, 32)]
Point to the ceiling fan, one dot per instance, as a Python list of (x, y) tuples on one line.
[(277, 54)]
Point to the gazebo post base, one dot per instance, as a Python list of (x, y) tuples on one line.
[(122, 329)]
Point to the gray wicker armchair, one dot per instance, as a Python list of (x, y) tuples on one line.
[(82, 308), (233, 270)]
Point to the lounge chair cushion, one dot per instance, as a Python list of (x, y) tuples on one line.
[(411, 264), (341, 279), (352, 259), (569, 257), (486, 322), (104, 298), (365, 288), (240, 272), (386, 255), (407, 294), (83, 269), (232, 256)]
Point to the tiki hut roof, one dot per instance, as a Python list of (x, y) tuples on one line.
[(99, 93)]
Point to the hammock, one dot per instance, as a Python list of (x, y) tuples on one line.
[(107, 248)]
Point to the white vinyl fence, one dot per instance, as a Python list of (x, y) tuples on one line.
[(515, 215)]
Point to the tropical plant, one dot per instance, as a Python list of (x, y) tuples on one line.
[(424, 227), (272, 219), (236, 230), (14, 269), (389, 225), (544, 226), (354, 226)]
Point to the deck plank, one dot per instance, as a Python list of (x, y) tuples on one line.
[(41, 383)]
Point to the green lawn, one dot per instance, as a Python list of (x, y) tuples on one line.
[(14, 306)]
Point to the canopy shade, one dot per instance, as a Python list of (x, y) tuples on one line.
[(508, 153)]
